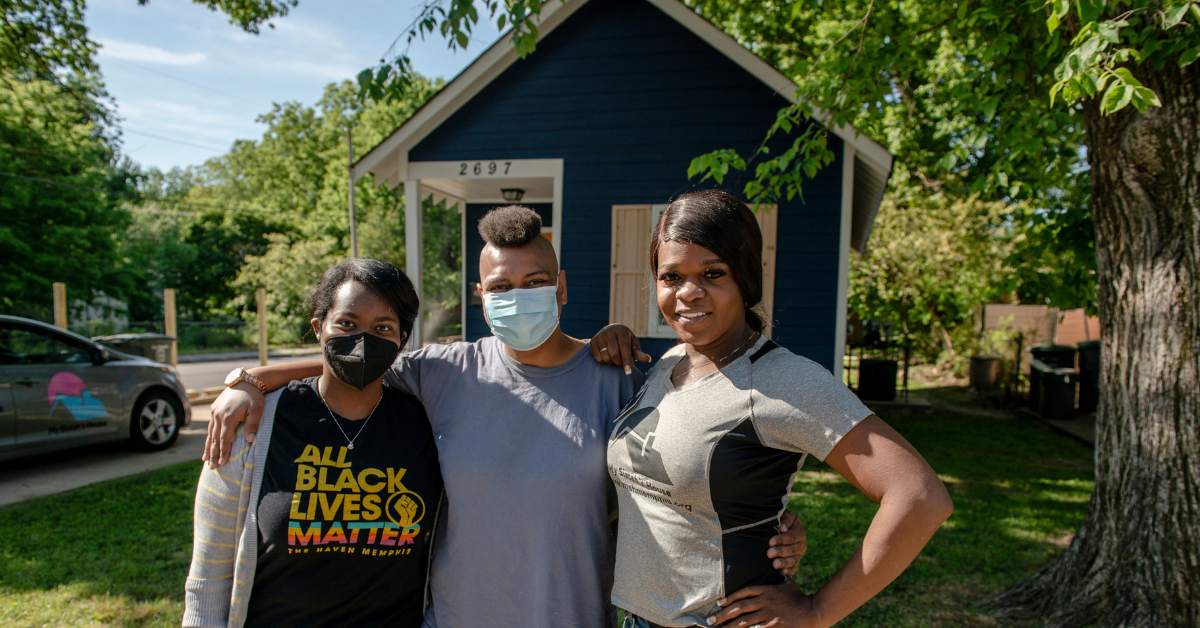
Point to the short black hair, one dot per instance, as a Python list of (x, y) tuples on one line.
[(380, 277), (510, 227), (721, 223)]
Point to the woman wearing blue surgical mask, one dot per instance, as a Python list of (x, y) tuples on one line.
[(341, 486)]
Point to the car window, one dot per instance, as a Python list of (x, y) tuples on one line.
[(24, 345)]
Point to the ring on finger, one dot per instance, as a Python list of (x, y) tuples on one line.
[(603, 349)]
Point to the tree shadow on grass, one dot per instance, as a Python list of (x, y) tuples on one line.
[(1020, 491)]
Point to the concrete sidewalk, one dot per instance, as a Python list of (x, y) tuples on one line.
[(29, 478)]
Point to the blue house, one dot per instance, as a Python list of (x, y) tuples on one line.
[(595, 130)]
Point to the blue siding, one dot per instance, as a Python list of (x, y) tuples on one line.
[(627, 97)]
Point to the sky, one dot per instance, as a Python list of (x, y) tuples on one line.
[(187, 83)]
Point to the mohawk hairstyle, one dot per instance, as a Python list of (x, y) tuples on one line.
[(510, 227)]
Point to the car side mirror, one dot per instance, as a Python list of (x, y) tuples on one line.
[(100, 356)]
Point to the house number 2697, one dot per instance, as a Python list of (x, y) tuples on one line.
[(479, 167)]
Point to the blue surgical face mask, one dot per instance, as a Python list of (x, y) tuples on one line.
[(524, 318)]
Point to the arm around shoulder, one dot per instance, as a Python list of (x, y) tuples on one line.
[(222, 496)]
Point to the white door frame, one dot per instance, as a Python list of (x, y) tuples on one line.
[(414, 240)]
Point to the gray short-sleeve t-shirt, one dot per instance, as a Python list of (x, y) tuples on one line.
[(522, 539), (703, 473)]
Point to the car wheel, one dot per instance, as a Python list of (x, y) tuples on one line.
[(156, 419)]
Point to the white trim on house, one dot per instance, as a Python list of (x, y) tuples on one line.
[(388, 161), (843, 279), (422, 181), (414, 241), (655, 329), (467, 287), (767, 73)]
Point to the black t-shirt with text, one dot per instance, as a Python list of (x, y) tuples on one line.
[(345, 534)]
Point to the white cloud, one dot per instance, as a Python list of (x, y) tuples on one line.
[(133, 51)]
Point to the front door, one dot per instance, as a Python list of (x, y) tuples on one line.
[(58, 393)]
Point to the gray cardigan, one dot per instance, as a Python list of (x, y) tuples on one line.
[(225, 545)]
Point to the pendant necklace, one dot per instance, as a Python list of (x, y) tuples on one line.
[(738, 348), (349, 441)]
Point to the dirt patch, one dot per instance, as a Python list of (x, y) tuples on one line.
[(1062, 542)]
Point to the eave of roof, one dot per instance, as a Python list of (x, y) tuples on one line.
[(388, 160)]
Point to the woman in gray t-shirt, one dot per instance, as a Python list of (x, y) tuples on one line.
[(704, 457)]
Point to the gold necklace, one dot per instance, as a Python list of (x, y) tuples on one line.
[(738, 348)]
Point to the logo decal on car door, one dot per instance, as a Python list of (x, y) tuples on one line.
[(68, 391)]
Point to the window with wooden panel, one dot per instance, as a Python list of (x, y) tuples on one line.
[(627, 292), (631, 289)]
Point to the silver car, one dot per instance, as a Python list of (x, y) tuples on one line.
[(60, 390)]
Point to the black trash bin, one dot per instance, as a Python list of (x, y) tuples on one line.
[(1089, 376), (877, 379), (1058, 393), (984, 371), (157, 347), (1037, 368), (1054, 356)]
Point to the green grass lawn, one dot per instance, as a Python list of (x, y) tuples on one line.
[(116, 554)]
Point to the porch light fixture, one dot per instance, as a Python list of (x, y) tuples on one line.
[(512, 194)]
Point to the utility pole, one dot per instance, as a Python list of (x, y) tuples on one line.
[(350, 170)]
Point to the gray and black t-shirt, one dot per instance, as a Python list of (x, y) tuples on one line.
[(703, 473)]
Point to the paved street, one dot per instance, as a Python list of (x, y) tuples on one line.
[(27, 478), (48, 474), (201, 375)]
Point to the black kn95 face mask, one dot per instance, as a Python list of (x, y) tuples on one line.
[(360, 359)]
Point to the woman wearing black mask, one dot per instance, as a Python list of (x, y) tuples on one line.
[(327, 518)]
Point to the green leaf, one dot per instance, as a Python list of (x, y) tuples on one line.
[(1088, 50), (462, 39), (1110, 32), (1052, 22), (364, 78), (1054, 91), (1173, 15), (1127, 76), (1116, 98), (1002, 177), (1089, 10), (1147, 96), (989, 108), (1089, 84), (1189, 56)]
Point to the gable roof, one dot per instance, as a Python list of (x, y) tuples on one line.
[(388, 160)]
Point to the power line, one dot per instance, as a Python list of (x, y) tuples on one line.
[(167, 139), (176, 78), (73, 186)]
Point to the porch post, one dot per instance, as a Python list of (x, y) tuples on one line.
[(414, 246), (843, 279)]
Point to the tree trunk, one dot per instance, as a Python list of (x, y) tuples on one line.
[(1136, 559)]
